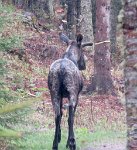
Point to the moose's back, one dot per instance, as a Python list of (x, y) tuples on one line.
[(65, 78)]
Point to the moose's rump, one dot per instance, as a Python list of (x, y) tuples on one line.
[(65, 78)]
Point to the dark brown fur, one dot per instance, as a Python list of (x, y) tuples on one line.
[(65, 81)]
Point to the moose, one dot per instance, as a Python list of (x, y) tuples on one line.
[(65, 81)]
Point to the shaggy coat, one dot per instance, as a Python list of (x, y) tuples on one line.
[(65, 81)]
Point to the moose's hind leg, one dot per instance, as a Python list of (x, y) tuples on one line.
[(61, 113), (56, 103), (71, 143)]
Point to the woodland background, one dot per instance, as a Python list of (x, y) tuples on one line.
[(29, 43)]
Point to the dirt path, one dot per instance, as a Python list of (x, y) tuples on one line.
[(108, 145)]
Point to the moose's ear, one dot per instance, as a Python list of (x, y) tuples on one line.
[(79, 38), (64, 38)]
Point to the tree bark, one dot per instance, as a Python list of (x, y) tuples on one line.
[(93, 8), (130, 38), (51, 7), (86, 27), (39, 7), (71, 21), (116, 6), (102, 80), (79, 18), (78, 11)]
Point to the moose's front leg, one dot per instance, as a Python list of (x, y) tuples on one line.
[(71, 139)]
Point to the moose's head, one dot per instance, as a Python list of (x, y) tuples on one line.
[(74, 51)]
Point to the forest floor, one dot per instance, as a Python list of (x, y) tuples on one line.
[(108, 145), (99, 118), (104, 112)]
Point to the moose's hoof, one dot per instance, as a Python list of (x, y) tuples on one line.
[(71, 144)]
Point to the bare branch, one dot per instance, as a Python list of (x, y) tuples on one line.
[(87, 44)]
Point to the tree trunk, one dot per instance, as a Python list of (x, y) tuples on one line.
[(93, 6), (39, 7), (78, 11), (102, 80), (79, 18), (86, 27), (130, 37), (71, 29), (51, 7), (116, 6), (116, 52)]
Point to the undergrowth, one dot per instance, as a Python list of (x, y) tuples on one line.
[(11, 106), (93, 122), (42, 140)]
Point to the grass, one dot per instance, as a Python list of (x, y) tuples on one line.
[(43, 140), (39, 130)]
